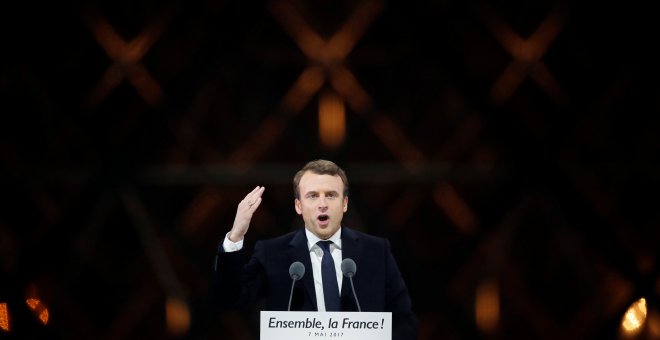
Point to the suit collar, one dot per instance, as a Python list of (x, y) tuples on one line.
[(352, 248), (298, 251)]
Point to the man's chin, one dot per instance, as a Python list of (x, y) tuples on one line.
[(323, 231)]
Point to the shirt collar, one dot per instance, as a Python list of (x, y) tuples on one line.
[(312, 239)]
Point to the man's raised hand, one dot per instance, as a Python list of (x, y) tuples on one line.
[(244, 212)]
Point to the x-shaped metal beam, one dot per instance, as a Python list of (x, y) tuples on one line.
[(327, 64), (527, 55), (126, 56), (327, 57)]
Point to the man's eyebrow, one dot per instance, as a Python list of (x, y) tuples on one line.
[(316, 192)]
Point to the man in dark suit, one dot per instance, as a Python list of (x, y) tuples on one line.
[(321, 198)]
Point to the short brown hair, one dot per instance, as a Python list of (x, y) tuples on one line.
[(320, 167)]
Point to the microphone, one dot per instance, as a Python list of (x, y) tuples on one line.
[(348, 267), (296, 272)]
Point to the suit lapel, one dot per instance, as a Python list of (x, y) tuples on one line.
[(298, 251), (351, 247)]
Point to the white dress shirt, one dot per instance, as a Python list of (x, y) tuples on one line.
[(316, 254)]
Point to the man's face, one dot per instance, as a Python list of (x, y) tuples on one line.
[(322, 203)]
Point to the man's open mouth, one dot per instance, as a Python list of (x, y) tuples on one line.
[(323, 218)]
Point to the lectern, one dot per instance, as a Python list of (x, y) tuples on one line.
[(278, 325)]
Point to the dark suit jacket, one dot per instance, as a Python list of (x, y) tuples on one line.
[(240, 279)]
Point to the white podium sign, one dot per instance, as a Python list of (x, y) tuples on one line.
[(325, 325)]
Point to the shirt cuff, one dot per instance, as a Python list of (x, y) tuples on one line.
[(230, 246)]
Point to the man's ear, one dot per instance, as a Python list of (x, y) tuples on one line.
[(298, 205), (345, 203)]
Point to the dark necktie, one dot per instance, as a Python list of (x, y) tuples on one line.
[(330, 288)]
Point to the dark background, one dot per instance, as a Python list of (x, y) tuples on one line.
[(510, 145)]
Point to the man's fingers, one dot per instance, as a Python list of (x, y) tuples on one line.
[(246, 208), (253, 199), (256, 192), (256, 204)]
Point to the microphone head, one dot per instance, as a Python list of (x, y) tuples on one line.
[(348, 267), (297, 270)]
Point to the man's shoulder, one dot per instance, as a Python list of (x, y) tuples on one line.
[(364, 236), (281, 239)]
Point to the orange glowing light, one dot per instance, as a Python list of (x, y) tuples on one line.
[(633, 320), (177, 314), (39, 309), (32, 303), (4, 317), (487, 306), (332, 119)]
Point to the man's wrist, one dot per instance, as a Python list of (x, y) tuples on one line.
[(234, 238), (230, 246)]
